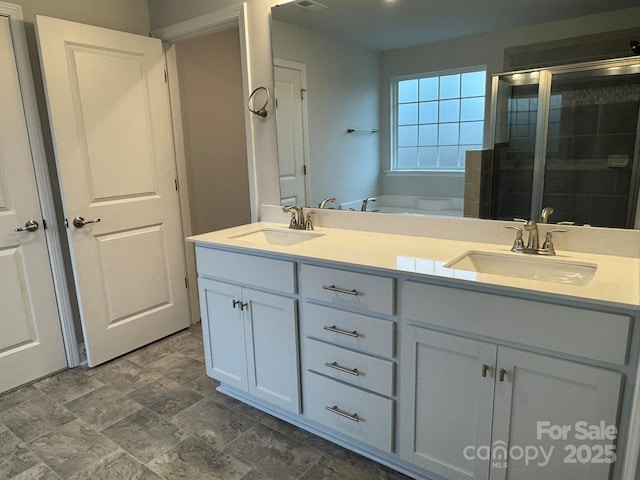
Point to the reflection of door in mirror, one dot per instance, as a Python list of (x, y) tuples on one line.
[(291, 122)]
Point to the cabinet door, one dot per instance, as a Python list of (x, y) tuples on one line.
[(272, 348), (536, 389), (446, 402), (223, 332)]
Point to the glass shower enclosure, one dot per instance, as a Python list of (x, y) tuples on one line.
[(567, 138)]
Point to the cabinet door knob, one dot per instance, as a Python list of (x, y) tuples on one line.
[(485, 369), (503, 373)]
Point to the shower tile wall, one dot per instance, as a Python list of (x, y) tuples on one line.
[(513, 160), (590, 151)]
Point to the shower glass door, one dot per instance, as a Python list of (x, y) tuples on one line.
[(567, 138), (590, 171)]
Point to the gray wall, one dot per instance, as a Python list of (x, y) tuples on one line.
[(212, 108)]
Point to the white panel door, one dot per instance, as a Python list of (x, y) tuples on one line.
[(290, 121), (110, 119), (30, 336), (536, 388)]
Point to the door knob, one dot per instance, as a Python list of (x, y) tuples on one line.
[(80, 222), (30, 226)]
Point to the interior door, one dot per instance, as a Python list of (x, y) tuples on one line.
[(110, 119), (290, 121), (30, 339)]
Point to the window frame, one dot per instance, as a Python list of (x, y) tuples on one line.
[(393, 134)]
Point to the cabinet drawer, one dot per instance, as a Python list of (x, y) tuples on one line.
[(574, 331), (357, 290), (267, 273), (351, 367), (366, 334), (362, 415)]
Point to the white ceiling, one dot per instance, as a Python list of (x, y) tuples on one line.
[(387, 25)]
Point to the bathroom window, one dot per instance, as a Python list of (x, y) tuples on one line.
[(436, 118)]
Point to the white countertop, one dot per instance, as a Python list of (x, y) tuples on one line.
[(616, 281)]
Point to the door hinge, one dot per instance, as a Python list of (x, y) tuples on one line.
[(304, 169), (44, 224), (166, 77), (175, 181), (186, 283), (303, 91)]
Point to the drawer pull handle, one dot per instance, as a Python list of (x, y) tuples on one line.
[(351, 416), (340, 368), (335, 329), (503, 372), (333, 288), (485, 369)]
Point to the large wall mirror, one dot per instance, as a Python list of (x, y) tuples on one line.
[(382, 99)]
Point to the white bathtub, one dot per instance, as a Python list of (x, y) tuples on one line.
[(444, 206)]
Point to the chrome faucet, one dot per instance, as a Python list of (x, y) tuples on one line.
[(298, 221), (365, 202), (323, 203), (533, 242)]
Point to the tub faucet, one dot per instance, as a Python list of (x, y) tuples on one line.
[(323, 203), (297, 217), (365, 202)]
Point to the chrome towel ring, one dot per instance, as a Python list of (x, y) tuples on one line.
[(262, 111)]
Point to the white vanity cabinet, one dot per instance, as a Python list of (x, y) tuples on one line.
[(347, 350), (462, 397), (251, 336)]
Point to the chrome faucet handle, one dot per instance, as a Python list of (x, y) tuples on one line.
[(518, 244), (308, 225), (547, 246)]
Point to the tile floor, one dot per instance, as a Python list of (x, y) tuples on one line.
[(153, 414)]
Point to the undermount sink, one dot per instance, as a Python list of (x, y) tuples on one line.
[(525, 266), (273, 236)]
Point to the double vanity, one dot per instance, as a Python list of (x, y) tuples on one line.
[(441, 358)]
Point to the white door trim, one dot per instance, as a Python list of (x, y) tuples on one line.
[(43, 182), (218, 21)]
